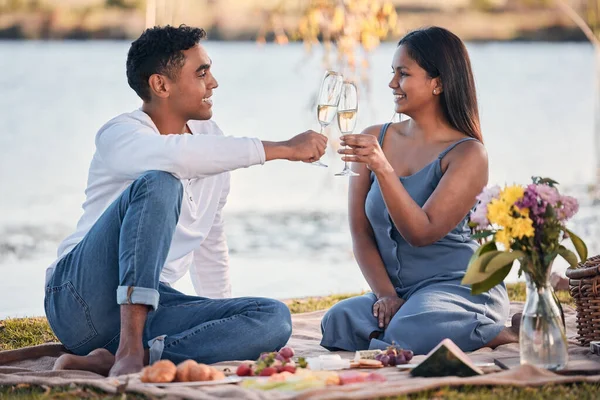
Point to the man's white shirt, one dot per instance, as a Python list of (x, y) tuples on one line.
[(129, 145)]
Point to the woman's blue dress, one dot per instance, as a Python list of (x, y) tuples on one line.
[(428, 278)]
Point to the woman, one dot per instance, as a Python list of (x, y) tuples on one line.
[(409, 207)]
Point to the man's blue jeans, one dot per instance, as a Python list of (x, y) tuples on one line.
[(119, 262)]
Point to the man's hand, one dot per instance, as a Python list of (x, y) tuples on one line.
[(307, 147), (385, 308)]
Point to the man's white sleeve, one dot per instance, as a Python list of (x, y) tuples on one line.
[(129, 149), (210, 269)]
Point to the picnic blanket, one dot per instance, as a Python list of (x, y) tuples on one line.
[(34, 366)]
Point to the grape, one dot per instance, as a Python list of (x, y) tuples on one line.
[(391, 352), (408, 354), (400, 359), (385, 360), (280, 357), (378, 356), (287, 352), (392, 361)]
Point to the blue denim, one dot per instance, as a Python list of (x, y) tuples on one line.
[(119, 262)]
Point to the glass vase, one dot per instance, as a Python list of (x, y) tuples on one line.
[(542, 338)]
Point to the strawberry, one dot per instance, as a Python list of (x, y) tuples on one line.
[(268, 371)]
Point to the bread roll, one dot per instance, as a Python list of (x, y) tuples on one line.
[(216, 375), (184, 370), (199, 372), (162, 371)]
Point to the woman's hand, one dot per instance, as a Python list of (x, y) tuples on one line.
[(385, 308), (365, 149)]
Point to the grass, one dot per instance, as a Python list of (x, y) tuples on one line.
[(20, 332)]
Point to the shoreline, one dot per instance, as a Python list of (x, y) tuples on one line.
[(227, 23), (516, 292)]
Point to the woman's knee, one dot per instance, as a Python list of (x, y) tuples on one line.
[(412, 335), (345, 310)]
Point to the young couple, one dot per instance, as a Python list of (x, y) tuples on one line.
[(158, 182)]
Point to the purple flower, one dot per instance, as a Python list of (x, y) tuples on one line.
[(548, 194), (569, 207), (530, 198), (492, 192), (479, 215), (536, 206)]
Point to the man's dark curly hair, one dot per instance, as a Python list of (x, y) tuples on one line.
[(159, 50)]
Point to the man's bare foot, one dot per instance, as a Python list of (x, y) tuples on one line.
[(509, 334), (128, 364), (99, 361)]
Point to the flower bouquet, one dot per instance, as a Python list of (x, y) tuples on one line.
[(526, 224)]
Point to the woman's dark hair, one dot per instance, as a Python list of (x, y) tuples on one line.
[(159, 50), (442, 54)]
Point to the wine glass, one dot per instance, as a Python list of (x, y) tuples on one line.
[(346, 116), (327, 101)]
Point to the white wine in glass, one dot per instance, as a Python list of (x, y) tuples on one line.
[(346, 117), (327, 101), (325, 114)]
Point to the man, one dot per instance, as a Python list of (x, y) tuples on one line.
[(156, 188)]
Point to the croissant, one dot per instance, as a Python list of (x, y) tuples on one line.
[(162, 371), (216, 375), (200, 372), (184, 370)]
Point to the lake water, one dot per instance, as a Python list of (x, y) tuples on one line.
[(287, 224)]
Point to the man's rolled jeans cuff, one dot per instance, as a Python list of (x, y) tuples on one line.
[(156, 348), (137, 295)]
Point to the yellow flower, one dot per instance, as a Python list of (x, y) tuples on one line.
[(503, 237), (511, 194), (498, 212), (523, 211), (522, 227)]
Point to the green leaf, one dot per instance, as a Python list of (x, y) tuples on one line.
[(547, 181), (484, 248), (484, 259), (548, 258), (482, 234), (568, 255), (493, 280), (579, 245), (487, 264), (504, 258), (474, 271)]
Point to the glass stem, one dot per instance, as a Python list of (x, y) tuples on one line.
[(346, 148), (346, 162)]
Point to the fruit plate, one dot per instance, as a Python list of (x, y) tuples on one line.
[(229, 379), (411, 366)]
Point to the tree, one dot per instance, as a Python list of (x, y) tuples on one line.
[(586, 14), (348, 30)]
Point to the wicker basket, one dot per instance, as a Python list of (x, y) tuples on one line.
[(584, 285)]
